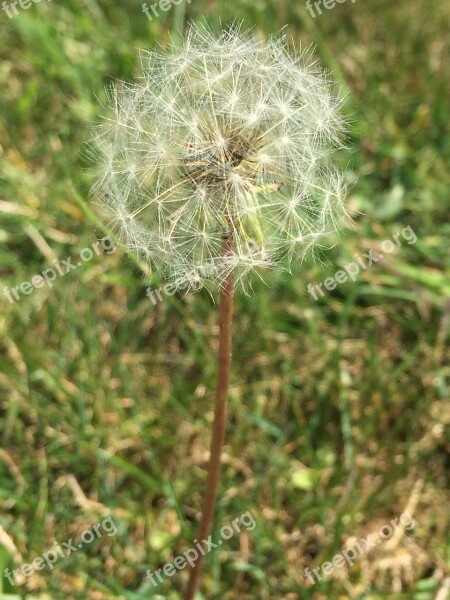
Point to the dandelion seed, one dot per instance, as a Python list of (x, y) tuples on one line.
[(227, 135)]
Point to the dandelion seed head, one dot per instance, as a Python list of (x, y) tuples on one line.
[(227, 136)]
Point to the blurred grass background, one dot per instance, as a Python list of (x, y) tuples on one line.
[(339, 408)]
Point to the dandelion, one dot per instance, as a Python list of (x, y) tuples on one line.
[(225, 137), (215, 166)]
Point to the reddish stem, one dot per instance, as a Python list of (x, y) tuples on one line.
[(220, 418)]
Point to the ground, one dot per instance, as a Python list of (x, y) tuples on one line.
[(339, 406)]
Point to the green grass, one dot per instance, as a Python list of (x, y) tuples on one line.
[(338, 407)]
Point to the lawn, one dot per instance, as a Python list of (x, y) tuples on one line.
[(339, 403)]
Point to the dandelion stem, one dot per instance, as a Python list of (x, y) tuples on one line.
[(220, 418)]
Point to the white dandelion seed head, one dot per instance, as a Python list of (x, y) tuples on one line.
[(227, 137)]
